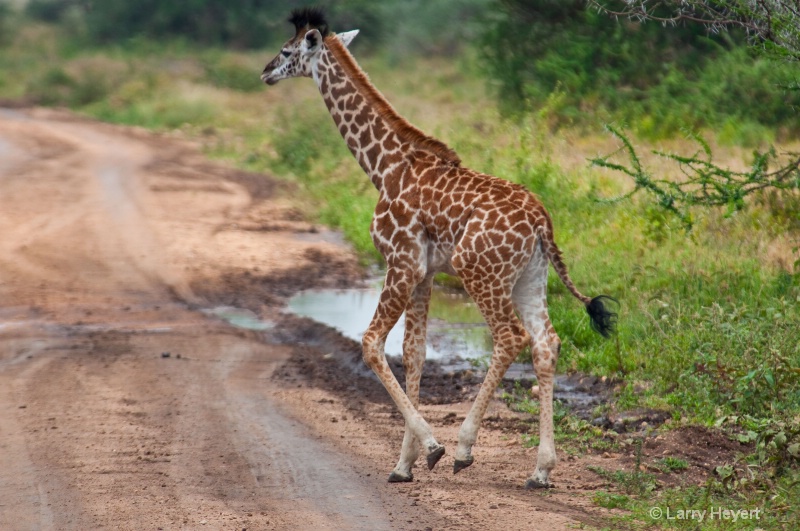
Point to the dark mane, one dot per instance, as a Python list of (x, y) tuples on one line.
[(309, 17)]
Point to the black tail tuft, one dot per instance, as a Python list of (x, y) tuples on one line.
[(603, 320)]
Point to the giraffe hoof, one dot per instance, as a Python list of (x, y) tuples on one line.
[(394, 477), (532, 484), (434, 457), (461, 464)]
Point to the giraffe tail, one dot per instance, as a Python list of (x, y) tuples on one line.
[(602, 319)]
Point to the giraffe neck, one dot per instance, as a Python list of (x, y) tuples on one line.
[(380, 139)]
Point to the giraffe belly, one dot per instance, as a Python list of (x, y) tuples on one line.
[(439, 259)]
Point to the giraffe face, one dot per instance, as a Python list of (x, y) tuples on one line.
[(295, 58), (299, 56)]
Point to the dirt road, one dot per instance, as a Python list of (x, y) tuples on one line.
[(120, 407), (124, 406)]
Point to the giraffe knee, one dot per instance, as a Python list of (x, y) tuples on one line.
[(513, 339), (371, 360), (371, 351), (545, 356), (522, 340), (412, 362), (555, 346)]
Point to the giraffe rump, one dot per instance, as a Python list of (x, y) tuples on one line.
[(309, 17)]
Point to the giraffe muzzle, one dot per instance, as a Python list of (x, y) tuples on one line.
[(266, 79)]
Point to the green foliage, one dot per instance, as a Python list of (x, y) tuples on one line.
[(240, 23), (673, 464), (775, 509), (301, 142), (418, 26), (634, 482), (610, 500), (706, 184), (736, 355), (777, 448), (604, 67), (6, 25), (50, 10), (772, 26), (534, 46), (308, 149), (56, 86), (232, 72)]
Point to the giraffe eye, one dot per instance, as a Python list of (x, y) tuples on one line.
[(286, 53)]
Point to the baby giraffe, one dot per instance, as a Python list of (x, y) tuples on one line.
[(434, 215)]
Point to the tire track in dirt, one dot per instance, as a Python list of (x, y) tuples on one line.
[(19, 489)]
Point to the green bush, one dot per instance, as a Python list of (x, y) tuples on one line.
[(401, 27), (50, 10), (239, 23), (6, 26), (659, 80), (57, 87), (233, 73)]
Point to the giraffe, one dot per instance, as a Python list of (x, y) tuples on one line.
[(434, 215)]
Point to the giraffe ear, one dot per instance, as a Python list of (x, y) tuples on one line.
[(311, 42), (347, 37)]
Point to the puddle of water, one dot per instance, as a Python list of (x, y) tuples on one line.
[(455, 329), (457, 333), (239, 318), (11, 114), (8, 157)]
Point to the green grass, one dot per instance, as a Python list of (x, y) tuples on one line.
[(574, 435), (672, 464)]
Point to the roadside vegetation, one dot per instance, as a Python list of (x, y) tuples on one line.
[(709, 325)]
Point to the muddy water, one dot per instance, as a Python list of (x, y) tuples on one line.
[(456, 330), (458, 338), (8, 155), (239, 317)]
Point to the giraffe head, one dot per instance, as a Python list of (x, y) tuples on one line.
[(298, 57)]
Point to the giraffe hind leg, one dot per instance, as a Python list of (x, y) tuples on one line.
[(530, 300), (509, 338)]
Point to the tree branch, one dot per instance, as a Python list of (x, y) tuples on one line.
[(772, 21), (706, 184)]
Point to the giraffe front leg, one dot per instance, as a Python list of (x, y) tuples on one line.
[(413, 361), (544, 360), (395, 297), (408, 456), (375, 358)]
